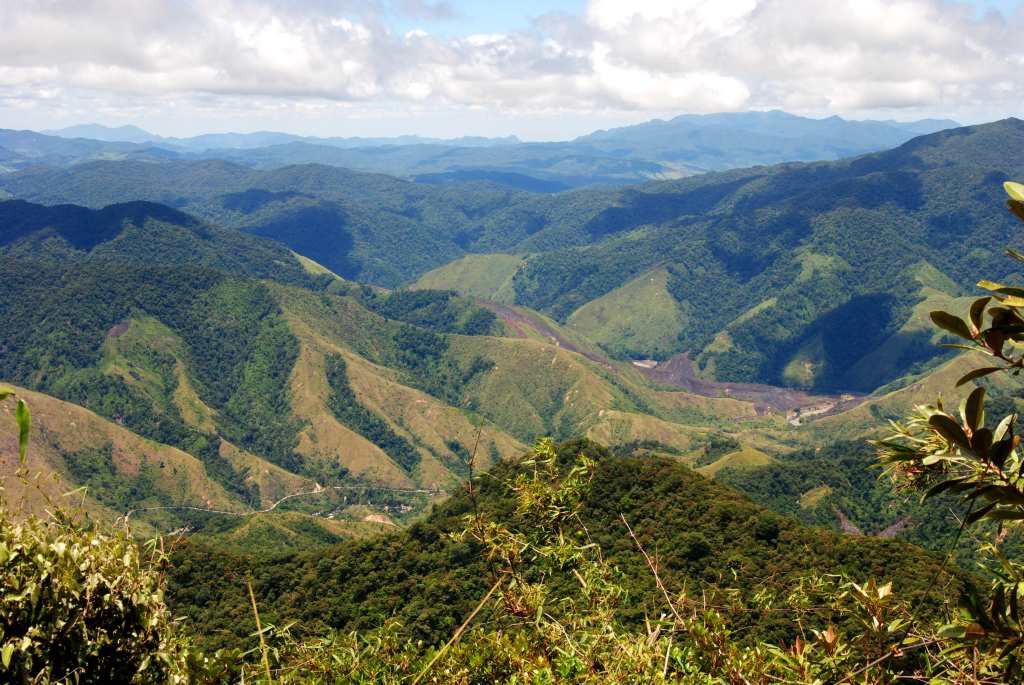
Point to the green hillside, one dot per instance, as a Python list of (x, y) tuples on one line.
[(638, 319), (704, 533), (301, 382), (304, 382), (486, 276), (139, 233), (806, 234)]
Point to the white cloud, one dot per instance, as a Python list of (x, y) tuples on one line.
[(643, 56)]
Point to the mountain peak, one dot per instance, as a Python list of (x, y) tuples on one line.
[(111, 134)]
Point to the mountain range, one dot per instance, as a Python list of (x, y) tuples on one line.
[(758, 274), (659, 149)]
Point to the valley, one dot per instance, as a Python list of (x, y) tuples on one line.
[(374, 389)]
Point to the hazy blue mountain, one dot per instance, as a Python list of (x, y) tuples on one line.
[(25, 148), (655, 150), (738, 139), (113, 134), (923, 126)]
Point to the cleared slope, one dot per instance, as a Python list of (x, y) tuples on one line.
[(486, 276), (638, 319), (73, 447)]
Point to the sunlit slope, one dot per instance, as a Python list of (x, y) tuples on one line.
[(540, 378), (71, 447), (487, 276), (637, 319)]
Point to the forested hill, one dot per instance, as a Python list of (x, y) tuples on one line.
[(705, 536), (797, 274), (367, 227), (140, 233)]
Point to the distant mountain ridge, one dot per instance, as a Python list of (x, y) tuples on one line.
[(717, 142), (208, 141), (655, 150)]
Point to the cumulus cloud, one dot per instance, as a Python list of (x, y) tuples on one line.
[(844, 56)]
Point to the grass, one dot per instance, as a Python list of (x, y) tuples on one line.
[(143, 352), (273, 481), (618, 427), (488, 277), (869, 418), (813, 497), (745, 458), (813, 263), (193, 410), (806, 364), (314, 268), (638, 319), (61, 429), (331, 324), (324, 439), (535, 388)]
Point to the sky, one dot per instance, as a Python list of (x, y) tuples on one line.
[(540, 70)]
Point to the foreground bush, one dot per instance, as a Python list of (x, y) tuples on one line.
[(79, 606)]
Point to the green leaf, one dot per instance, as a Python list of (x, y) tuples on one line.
[(978, 310), (961, 346), (952, 631), (1007, 514), (949, 429), (1013, 300), (1000, 451), (953, 324), (1013, 253), (976, 374), (1018, 209), (1014, 190), (6, 653), (973, 409), (1000, 432), (976, 516), (1001, 289), (24, 419)]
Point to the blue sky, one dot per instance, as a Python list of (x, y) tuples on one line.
[(475, 16), (1004, 6), (479, 16), (447, 68)]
